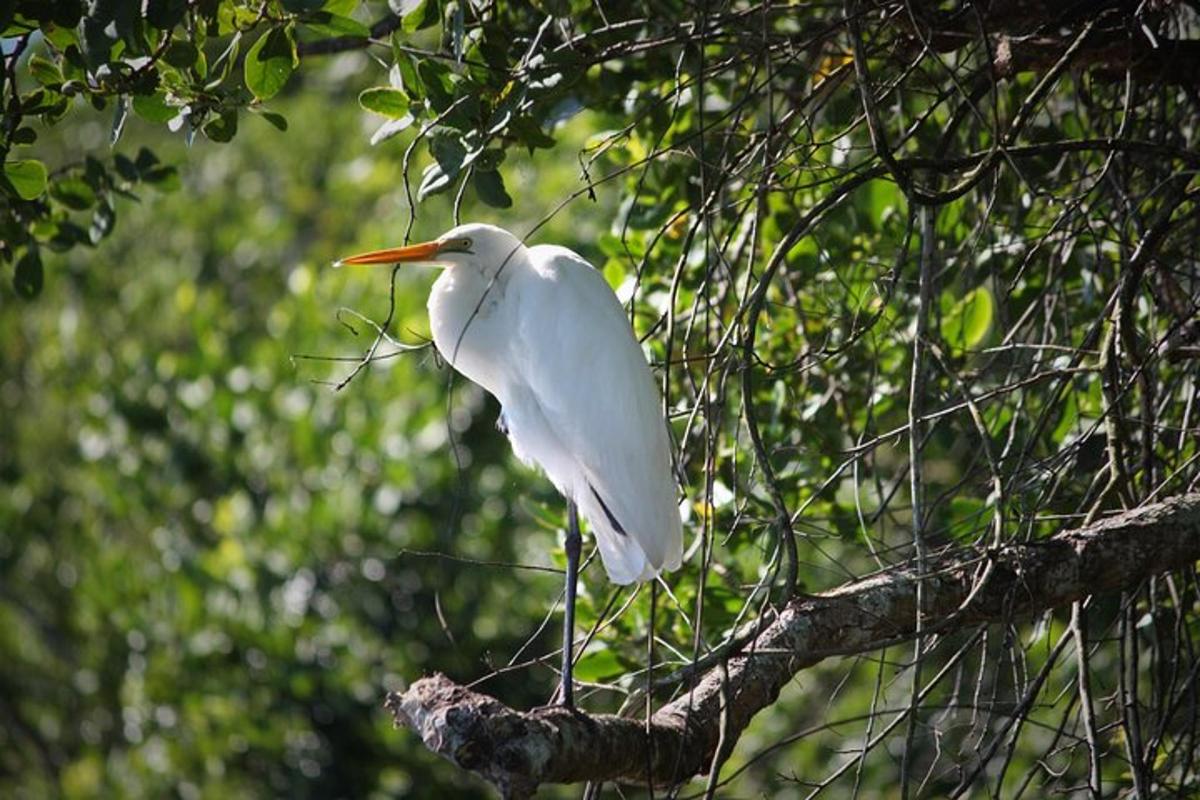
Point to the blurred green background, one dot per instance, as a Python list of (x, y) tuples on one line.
[(203, 584)]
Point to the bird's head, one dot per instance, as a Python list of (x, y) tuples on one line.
[(475, 244)]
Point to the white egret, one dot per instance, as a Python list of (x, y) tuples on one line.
[(541, 329)]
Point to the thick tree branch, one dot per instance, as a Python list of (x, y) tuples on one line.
[(518, 751)]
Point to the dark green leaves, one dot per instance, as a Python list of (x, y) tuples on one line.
[(277, 121), (447, 148), (165, 14), (270, 62), (530, 133), (435, 79), (967, 322), (74, 193), (490, 188), (223, 127), (102, 222), (181, 54), (28, 276)]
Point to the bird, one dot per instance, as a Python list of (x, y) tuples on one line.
[(540, 329)]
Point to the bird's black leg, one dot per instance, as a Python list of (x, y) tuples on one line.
[(574, 544)]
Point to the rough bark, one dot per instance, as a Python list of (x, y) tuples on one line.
[(518, 751)]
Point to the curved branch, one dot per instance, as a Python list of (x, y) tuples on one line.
[(517, 751)]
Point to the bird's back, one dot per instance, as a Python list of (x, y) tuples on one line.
[(582, 404)]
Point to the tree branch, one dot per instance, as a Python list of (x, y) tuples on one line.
[(518, 751)]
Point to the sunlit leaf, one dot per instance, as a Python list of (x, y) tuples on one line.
[(385, 101), (390, 128), (270, 62), (45, 71), (27, 177), (970, 319)]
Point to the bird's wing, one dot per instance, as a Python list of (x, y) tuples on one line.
[(580, 361)]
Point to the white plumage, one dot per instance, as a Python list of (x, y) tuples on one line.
[(540, 329)]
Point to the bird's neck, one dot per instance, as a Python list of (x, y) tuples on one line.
[(469, 315)]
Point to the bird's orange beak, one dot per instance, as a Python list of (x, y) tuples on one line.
[(394, 255)]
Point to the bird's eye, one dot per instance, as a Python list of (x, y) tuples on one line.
[(465, 243)]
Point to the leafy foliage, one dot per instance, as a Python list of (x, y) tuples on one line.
[(901, 298)]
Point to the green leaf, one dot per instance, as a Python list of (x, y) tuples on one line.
[(45, 71), (403, 74), (415, 15), (223, 127), (270, 62), (154, 108), (102, 222), (598, 664), (433, 180), (61, 36), (97, 43), (29, 275), (385, 101), (235, 18), (490, 158), (328, 24), (342, 8), (968, 322), (447, 149), (181, 54), (883, 198), (490, 188), (435, 78), (614, 273), (27, 177), (277, 121), (390, 128), (126, 168), (131, 29), (146, 159), (74, 193), (530, 133), (165, 14), (165, 179), (120, 116)]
